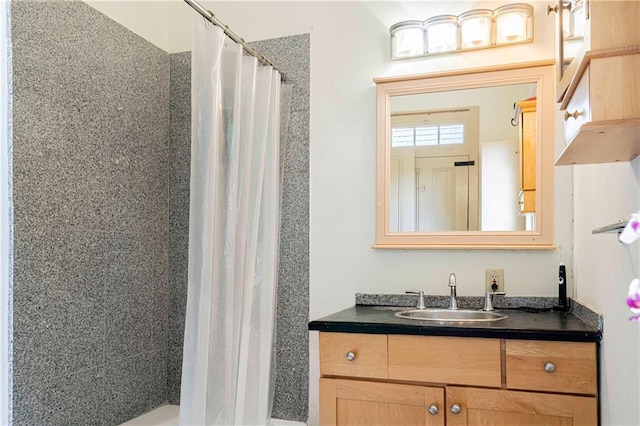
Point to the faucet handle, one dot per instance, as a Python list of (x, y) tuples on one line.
[(420, 293), (488, 302), (452, 280)]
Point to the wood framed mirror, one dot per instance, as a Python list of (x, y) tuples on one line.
[(465, 159)]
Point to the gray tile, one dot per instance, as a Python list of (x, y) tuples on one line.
[(73, 398), (468, 302), (84, 265), (91, 183), (294, 152), (294, 225), (134, 263), (291, 55), (55, 339), (177, 310), (587, 315), (180, 163), (132, 325), (133, 386), (174, 374)]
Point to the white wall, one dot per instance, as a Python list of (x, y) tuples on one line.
[(500, 187), (147, 18), (604, 268)]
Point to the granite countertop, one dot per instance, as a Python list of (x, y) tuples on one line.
[(521, 323)]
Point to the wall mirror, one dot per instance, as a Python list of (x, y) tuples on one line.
[(465, 158)]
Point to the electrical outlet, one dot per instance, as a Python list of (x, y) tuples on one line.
[(494, 279)]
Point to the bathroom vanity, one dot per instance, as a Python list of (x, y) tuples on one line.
[(527, 369)]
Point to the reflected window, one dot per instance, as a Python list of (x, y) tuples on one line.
[(429, 135)]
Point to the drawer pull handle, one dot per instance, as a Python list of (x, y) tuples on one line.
[(574, 114), (351, 356), (549, 367), (433, 410), (455, 409)]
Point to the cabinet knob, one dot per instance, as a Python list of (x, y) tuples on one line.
[(455, 409), (549, 367), (433, 410), (553, 9), (351, 356), (574, 114)]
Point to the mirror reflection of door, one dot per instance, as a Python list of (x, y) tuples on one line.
[(434, 170), (442, 193)]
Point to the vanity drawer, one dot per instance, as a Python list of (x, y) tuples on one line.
[(451, 360), (552, 366), (353, 355)]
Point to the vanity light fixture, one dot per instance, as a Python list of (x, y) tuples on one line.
[(577, 19), (407, 39), (514, 23), (442, 33), (475, 29)]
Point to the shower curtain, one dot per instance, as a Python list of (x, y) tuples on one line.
[(233, 235)]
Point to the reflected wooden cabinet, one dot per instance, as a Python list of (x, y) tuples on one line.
[(437, 380), (599, 90), (527, 155)]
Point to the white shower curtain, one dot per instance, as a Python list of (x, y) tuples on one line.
[(233, 235)]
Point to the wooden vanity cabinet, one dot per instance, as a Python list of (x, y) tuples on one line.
[(438, 380)]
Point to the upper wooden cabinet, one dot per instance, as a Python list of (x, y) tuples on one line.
[(588, 29), (598, 87)]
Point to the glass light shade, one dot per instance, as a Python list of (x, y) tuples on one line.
[(442, 33), (513, 23), (577, 19), (407, 39), (475, 28), (566, 20)]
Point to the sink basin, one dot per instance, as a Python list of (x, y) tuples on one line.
[(450, 315)]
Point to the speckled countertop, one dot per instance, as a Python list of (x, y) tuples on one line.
[(522, 322)]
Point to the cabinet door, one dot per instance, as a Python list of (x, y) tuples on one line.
[(509, 408), (361, 403)]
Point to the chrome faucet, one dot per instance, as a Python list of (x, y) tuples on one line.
[(453, 302), (420, 304), (488, 302)]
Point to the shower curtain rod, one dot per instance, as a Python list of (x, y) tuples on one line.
[(209, 16)]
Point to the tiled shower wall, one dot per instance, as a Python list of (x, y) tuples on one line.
[(91, 133), (101, 219), (292, 56)]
